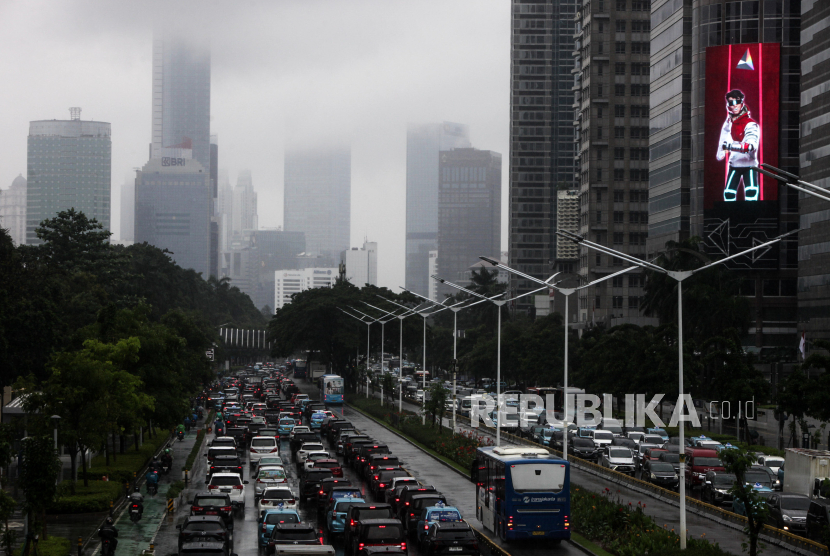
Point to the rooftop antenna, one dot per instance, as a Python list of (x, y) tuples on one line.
[(75, 113)]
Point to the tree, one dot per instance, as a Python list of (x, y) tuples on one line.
[(38, 479), (436, 405), (737, 461)]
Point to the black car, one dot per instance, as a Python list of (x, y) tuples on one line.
[(662, 474), (377, 532), (358, 512), (329, 483), (225, 464), (818, 519), (626, 442), (716, 485), (310, 483), (213, 504), (241, 436), (204, 528), (450, 538), (583, 448), (204, 549), (407, 492), (380, 480), (301, 438), (789, 512), (292, 534)]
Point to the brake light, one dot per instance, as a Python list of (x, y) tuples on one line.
[(567, 523), (135, 505), (351, 523), (360, 546), (275, 449), (264, 528), (426, 527), (196, 508), (237, 487), (403, 546), (226, 508), (381, 485), (211, 487)]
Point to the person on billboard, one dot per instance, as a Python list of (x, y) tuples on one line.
[(739, 137)]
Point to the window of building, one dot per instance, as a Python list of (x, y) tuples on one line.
[(619, 110), (621, 26), (633, 302), (748, 288), (621, 5), (598, 260), (633, 217), (598, 302), (619, 174), (599, 174), (599, 89), (635, 280), (619, 197), (616, 261), (617, 302), (620, 47), (619, 89), (619, 217), (771, 288), (619, 132), (599, 217), (619, 153), (618, 240)]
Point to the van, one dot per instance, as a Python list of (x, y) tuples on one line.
[(700, 461), (378, 532)]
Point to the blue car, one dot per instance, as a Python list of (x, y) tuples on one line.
[(317, 420), (269, 518), (763, 492), (432, 514), (659, 432), (286, 426), (336, 516)]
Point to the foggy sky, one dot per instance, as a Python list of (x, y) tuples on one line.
[(312, 70)]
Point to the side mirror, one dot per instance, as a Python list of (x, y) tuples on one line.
[(244, 482)]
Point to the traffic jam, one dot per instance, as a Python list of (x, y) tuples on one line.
[(314, 484)]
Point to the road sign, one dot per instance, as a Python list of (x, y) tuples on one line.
[(209, 354)]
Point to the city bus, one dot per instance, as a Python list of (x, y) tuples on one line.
[(331, 388), (522, 493), (299, 368)]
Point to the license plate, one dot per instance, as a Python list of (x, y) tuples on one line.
[(224, 490), (538, 532), (456, 548), (211, 513)]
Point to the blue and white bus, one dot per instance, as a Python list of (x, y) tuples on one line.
[(331, 388), (522, 493)]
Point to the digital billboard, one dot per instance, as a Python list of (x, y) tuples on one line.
[(741, 126)]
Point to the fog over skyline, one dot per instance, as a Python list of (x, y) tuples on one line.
[(305, 71)]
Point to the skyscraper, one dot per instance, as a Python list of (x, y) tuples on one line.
[(244, 203), (173, 210), (69, 166), (424, 142), (214, 217), (813, 252), (469, 213), (613, 53), (224, 210), (541, 132), (318, 198), (181, 94), (128, 210), (13, 210), (361, 264)]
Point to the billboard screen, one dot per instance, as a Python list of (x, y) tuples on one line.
[(740, 133)]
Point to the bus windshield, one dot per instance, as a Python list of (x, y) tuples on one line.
[(534, 477)]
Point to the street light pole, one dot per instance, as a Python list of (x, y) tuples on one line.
[(678, 276), (786, 177)]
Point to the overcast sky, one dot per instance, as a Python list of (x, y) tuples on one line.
[(354, 69)]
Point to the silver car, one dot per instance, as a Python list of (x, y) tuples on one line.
[(618, 458), (269, 476)]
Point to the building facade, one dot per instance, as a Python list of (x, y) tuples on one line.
[(128, 210), (813, 247), (541, 132), (317, 194), (613, 52), (244, 203), (13, 210), (361, 264), (424, 143), (289, 282), (181, 94), (567, 218), (469, 213), (173, 202), (69, 166)]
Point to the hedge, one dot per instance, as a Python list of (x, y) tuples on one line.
[(200, 436), (127, 465), (175, 489), (94, 498), (53, 546)]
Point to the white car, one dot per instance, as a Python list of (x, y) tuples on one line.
[(774, 463), (269, 476), (298, 428), (267, 460), (272, 497), (618, 458), (262, 446), (637, 437), (230, 484), (311, 457), (307, 448), (602, 438)]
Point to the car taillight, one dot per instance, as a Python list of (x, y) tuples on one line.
[(196, 508), (426, 527), (252, 450), (292, 501), (351, 523), (381, 485), (226, 508), (264, 528), (275, 449), (360, 546), (135, 505), (211, 487), (322, 492), (403, 546), (237, 487)]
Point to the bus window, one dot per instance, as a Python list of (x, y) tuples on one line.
[(529, 477)]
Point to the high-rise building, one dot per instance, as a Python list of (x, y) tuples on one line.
[(214, 217), (224, 211), (680, 147), (289, 282), (128, 210), (567, 218), (69, 166), (613, 56), (433, 271), (181, 94), (813, 251), (318, 198), (173, 200), (541, 132), (13, 210), (244, 203), (469, 212), (424, 142), (361, 264)]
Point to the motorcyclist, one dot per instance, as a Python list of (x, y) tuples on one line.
[(109, 532), (152, 478), (180, 429), (187, 424), (137, 498), (167, 459)]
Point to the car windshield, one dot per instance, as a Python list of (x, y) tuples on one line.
[(671, 458), (286, 421), (210, 501), (384, 532), (272, 460), (308, 535), (583, 443), (278, 494), (603, 436), (310, 447), (327, 464), (219, 442), (454, 534), (274, 518), (774, 462), (757, 477), (263, 442), (375, 513), (722, 479), (273, 473), (226, 481), (708, 462), (795, 503), (343, 507), (444, 515), (203, 526), (661, 466), (620, 453)]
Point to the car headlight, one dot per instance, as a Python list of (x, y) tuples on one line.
[(653, 476), (787, 518), (676, 476)]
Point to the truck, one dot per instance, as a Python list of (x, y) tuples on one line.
[(316, 370), (805, 470)]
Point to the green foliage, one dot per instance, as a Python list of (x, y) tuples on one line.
[(86, 499), (38, 475), (53, 546), (738, 461), (191, 458), (175, 489), (128, 464), (625, 530)]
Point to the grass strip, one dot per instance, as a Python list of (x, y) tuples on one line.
[(588, 545), (200, 436)]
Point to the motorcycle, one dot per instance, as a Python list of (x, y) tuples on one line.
[(165, 469), (107, 547), (135, 513), (180, 435), (152, 488)]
